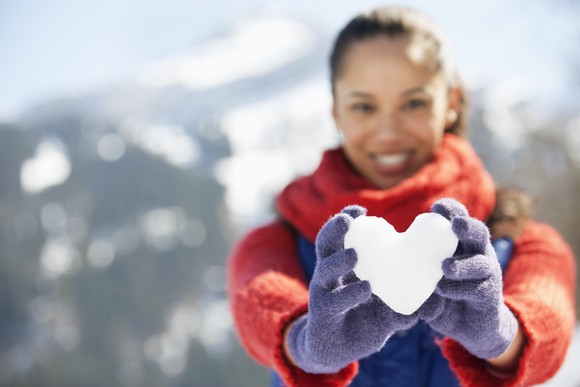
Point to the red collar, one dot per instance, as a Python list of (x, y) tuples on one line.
[(456, 171)]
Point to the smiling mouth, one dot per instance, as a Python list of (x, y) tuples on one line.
[(392, 163)]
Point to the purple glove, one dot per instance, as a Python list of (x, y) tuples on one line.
[(472, 310), (345, 321)]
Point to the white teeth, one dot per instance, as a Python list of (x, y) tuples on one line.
[(393, 159)]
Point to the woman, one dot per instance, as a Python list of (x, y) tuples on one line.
[(297, 305)]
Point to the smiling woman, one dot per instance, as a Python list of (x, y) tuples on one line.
[(391, 109), (122, 185), (299, 304)]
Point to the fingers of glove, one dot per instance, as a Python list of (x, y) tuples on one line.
[(402, 322), (347, 297), (473, 235), (330, 238), (475, 292), (354, 211), (349, 278), (474, 267), (449, 208), (328, 271), (398, 321), (431, 308)]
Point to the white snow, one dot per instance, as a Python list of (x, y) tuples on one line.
[(111, 147), (58, 257), (49, 167), (499, 100), (273, 141), (253, 47), (170, 142), (402, 268), (573, 141)]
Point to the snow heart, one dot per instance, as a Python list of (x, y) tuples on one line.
[(402, 268)]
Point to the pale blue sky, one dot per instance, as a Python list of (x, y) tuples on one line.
[(52, 48)]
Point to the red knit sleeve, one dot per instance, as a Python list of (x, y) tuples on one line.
[(267, 290), (539, 289)]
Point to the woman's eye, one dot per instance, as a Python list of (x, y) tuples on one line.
[(415, 104), (362, 107)]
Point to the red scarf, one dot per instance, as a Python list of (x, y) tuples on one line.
[(456, 171)]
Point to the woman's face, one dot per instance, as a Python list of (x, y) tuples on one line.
[(392, 110)]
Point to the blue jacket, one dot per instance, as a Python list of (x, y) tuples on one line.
[(409, 358)]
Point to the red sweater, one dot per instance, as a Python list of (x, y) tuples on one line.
[(267, 288)]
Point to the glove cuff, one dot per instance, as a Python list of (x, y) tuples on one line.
[(299, 348), (498, 343)]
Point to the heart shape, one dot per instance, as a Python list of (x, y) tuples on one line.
[(402, 268)]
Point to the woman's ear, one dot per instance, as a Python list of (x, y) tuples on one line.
[(450, 118), (453, 107)]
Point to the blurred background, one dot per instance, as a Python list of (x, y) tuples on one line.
[(139, 139)]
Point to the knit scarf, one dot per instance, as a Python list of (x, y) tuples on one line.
[(455, 171)]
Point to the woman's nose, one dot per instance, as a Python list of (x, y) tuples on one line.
[(388, 125)]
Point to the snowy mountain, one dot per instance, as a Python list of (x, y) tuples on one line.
[(120, 206)]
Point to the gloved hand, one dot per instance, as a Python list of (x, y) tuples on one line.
[(345, 321), (472, 311)]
